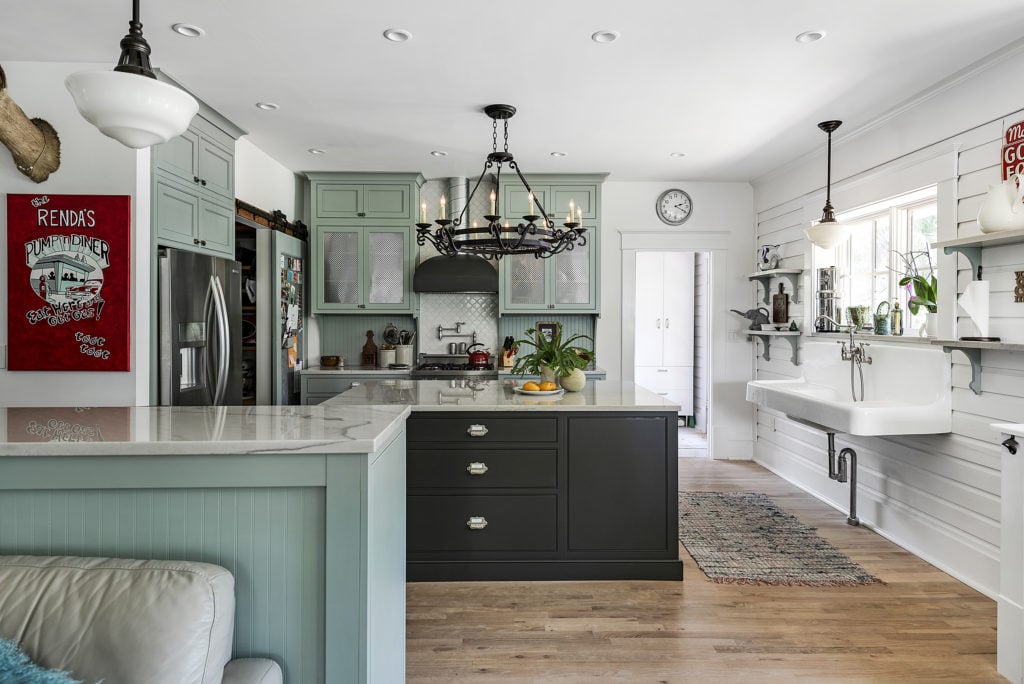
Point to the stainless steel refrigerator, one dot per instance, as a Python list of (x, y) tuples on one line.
[(271, 362), (200, 326)]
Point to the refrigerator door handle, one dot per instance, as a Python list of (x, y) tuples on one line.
[(223, 331), (208, 304)]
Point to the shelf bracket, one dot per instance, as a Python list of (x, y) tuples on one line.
[(767, 353), (973, 254), (974, 356), (766, 340)]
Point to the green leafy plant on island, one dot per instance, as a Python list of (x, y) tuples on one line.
[(562, 357), (925, 288)]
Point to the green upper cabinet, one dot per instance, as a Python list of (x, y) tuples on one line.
[(565, 282), (373, 201), (364, 244), (194, 190)]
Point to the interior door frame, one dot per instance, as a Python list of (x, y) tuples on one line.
[(709, 242)]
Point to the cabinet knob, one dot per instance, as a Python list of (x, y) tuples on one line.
[(203, 182), (195, 179), (202, 242), (666, 324), (360, 306), (195, 241), (551, 306), (476, 468), (477, 430), (657, 323), (476, 522), (361, 213)]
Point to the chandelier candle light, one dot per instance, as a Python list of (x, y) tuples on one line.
[(828, 232), (536, 234)]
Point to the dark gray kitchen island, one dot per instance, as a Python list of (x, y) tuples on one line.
[(506, 486)]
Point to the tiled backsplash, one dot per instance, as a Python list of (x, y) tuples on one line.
[(479, 312)]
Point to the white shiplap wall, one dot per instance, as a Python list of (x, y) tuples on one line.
[(936, 495)]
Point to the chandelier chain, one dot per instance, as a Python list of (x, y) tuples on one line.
[(506, 134), (494, 137)]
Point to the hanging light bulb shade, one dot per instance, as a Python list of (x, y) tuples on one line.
[(828, 232), (535, 234), (128, 104)]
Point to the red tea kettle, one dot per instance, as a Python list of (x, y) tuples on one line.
[(479, 359)]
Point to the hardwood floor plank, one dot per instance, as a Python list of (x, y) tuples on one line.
[(921, 625)]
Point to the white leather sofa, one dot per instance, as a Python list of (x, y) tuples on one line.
[(126, 621)]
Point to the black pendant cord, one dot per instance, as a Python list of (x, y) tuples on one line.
[(828, 213), (135, 50)]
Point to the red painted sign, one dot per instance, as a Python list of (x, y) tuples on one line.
[(68, 282), (1013, 150)]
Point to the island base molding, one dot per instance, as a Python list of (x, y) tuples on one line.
[(541, 571)]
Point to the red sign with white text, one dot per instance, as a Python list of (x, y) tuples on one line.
[(68, 282), (1013, 150)]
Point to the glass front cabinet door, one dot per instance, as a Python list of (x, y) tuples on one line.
[(363, 269)]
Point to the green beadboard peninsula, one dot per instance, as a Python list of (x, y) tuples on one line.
[(299, 503)]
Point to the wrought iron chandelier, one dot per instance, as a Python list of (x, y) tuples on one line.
[(534, 234)]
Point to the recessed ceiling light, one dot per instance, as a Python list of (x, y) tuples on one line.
[(677, 155), (267, 106), (558, 154), (188, 30), (397, 35), (811, 36), (605, 36), (438, 153), (315, 150)]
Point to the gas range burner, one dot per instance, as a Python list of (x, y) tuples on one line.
[(447, 368)]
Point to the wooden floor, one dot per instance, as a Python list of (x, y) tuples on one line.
[(921, 625)]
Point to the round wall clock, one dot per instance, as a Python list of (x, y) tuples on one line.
[(674, 206)]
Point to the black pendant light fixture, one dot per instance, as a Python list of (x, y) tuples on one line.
[(828, 232), (129, 104), (535, 233)]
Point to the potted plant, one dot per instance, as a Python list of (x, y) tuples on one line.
[(925, 288), (555, 358)]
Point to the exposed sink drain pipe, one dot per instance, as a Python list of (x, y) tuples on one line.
[(839, 472)]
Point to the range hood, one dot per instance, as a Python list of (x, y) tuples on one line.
[(462, 273)]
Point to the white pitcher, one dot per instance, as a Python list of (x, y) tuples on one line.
[(1003, 208)]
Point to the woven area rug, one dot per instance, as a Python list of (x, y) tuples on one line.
[(744, 538)]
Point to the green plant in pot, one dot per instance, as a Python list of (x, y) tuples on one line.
[(554, 358), (923, 285)]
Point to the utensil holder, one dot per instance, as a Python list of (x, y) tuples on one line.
[(403, 354)]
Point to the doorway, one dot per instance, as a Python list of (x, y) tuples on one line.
[(670, 337)]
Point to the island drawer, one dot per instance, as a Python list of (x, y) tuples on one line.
[(481, 429), (502, 523), (482, 469)]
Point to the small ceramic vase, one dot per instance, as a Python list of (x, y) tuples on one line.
[(546, 374), (574, 382)]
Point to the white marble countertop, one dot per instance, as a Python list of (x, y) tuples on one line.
[(201, 430), (356, 370), (495, 395)]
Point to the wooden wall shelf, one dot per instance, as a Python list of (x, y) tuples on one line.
[(792, 336), (972, 350)]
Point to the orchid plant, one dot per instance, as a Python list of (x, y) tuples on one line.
[(924, 287)]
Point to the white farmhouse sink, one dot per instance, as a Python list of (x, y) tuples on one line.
[(906, 390)]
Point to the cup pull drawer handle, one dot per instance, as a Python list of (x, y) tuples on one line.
[(476, 468), (476, 522), (477, 430)]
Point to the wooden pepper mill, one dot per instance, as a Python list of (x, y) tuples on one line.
[(369, 357)]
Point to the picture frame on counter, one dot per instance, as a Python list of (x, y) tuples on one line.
[(546, 330)]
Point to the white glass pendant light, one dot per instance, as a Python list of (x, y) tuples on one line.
[(128, 104), (828, 232)]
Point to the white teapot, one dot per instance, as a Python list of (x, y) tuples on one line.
[(1003, 207)]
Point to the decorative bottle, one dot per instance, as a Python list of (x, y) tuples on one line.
[(897, 319)]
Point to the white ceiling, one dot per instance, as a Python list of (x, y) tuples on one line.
[(723, 81)]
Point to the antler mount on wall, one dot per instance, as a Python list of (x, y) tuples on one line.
[(33, 143)]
